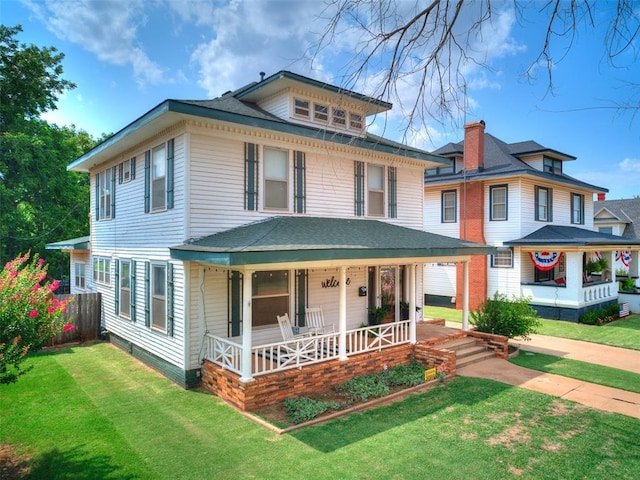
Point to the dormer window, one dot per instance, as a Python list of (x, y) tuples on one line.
[(339, 117), (355, 121), (321, 112), (552, 166), (301, 108)]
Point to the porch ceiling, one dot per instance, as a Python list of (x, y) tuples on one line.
[(297, 240), (566, 237)]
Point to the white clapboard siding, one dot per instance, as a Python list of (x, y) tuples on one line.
[(432, 213), (439, 279), (278, 105)]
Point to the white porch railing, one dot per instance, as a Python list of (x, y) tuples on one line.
[(280, 356), (599, 292)]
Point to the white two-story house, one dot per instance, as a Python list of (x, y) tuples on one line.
[(209, 219), (518, 198)]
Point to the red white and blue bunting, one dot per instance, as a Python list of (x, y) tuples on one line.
[(624, 256), (545, 260)]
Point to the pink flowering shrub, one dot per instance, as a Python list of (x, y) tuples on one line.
[(29, 315)]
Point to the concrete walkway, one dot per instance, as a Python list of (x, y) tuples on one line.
[(589, 394)]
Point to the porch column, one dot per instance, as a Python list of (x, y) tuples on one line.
[(612, 267), (634, 271), (342, 315), (247, 326), (412, 303), (465, 295)]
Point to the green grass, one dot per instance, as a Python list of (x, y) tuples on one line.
[(95, 413), (588, 372), (622, 333)]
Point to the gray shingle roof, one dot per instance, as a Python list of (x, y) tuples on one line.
[(559, 235), (501, 159), (627, 210), (293, 239)]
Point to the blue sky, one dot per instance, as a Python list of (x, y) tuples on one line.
[(128, 56)]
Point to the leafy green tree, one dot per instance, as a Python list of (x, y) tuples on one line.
[(40, 201)]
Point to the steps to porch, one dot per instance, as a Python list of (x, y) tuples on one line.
[(468, 350)]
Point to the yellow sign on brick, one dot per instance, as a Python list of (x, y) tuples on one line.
[(429, 374)]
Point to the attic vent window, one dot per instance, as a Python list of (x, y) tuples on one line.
[(552, 166), (321, 112), (301, 108), (355, 121)]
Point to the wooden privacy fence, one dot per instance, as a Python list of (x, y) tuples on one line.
[(84, 311)]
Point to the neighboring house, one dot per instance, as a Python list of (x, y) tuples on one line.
[(620, 217), (211, 218), (517, 198), (80, 256)]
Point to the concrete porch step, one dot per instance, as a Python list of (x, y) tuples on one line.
[(476, 358), (458, 343), (467, 351)]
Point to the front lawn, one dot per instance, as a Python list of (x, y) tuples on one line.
[(96, 413), (588, 372), (623, 333)]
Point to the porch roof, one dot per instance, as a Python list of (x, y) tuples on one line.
[(315, 239), (560, 235), (80, 243)]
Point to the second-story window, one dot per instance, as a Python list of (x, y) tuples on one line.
[(543, 204), (577, 208), (498, 199), (449, 206), (339, 117), (355, 121), (375, 190), (158, 178), (276, 178), (105, 191)]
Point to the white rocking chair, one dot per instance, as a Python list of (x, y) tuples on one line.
[(286, 328), (315, 321)]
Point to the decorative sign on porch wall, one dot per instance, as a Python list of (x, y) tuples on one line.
[(624, 256), (545, 260)]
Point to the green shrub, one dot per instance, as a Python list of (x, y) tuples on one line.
[(404, 375), (360, 389), (600, 316), (509, 317), (302, 409)]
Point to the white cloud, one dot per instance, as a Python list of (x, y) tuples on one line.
[(630, 165), (108, 29)]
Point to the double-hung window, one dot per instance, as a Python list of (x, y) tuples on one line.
[(102, 270), (79, 272), (499, 202), (159, 296), (321, 112), (449, 206), (551, 165), (270, 296), (125, 288), (577, 208), (301, 108), (355, 121), (276, 178), (339, 117), (158, 178), (503, 258), (375, 190), (105, 186), (543, 204)]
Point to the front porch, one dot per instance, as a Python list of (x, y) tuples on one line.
[(312, 364)]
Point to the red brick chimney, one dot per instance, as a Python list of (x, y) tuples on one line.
[(472, 217), (601, 196), (474, 145)]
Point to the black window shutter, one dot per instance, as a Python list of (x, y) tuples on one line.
[(133, 290), (120, 173), (170, 296), (393, 193), (250, 176), (359, 188), (235, 304), (147, 181), (117, 292), (170, 179), (113, 192), (300, 183), (97, 196), (147, 294), (132, 168)]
